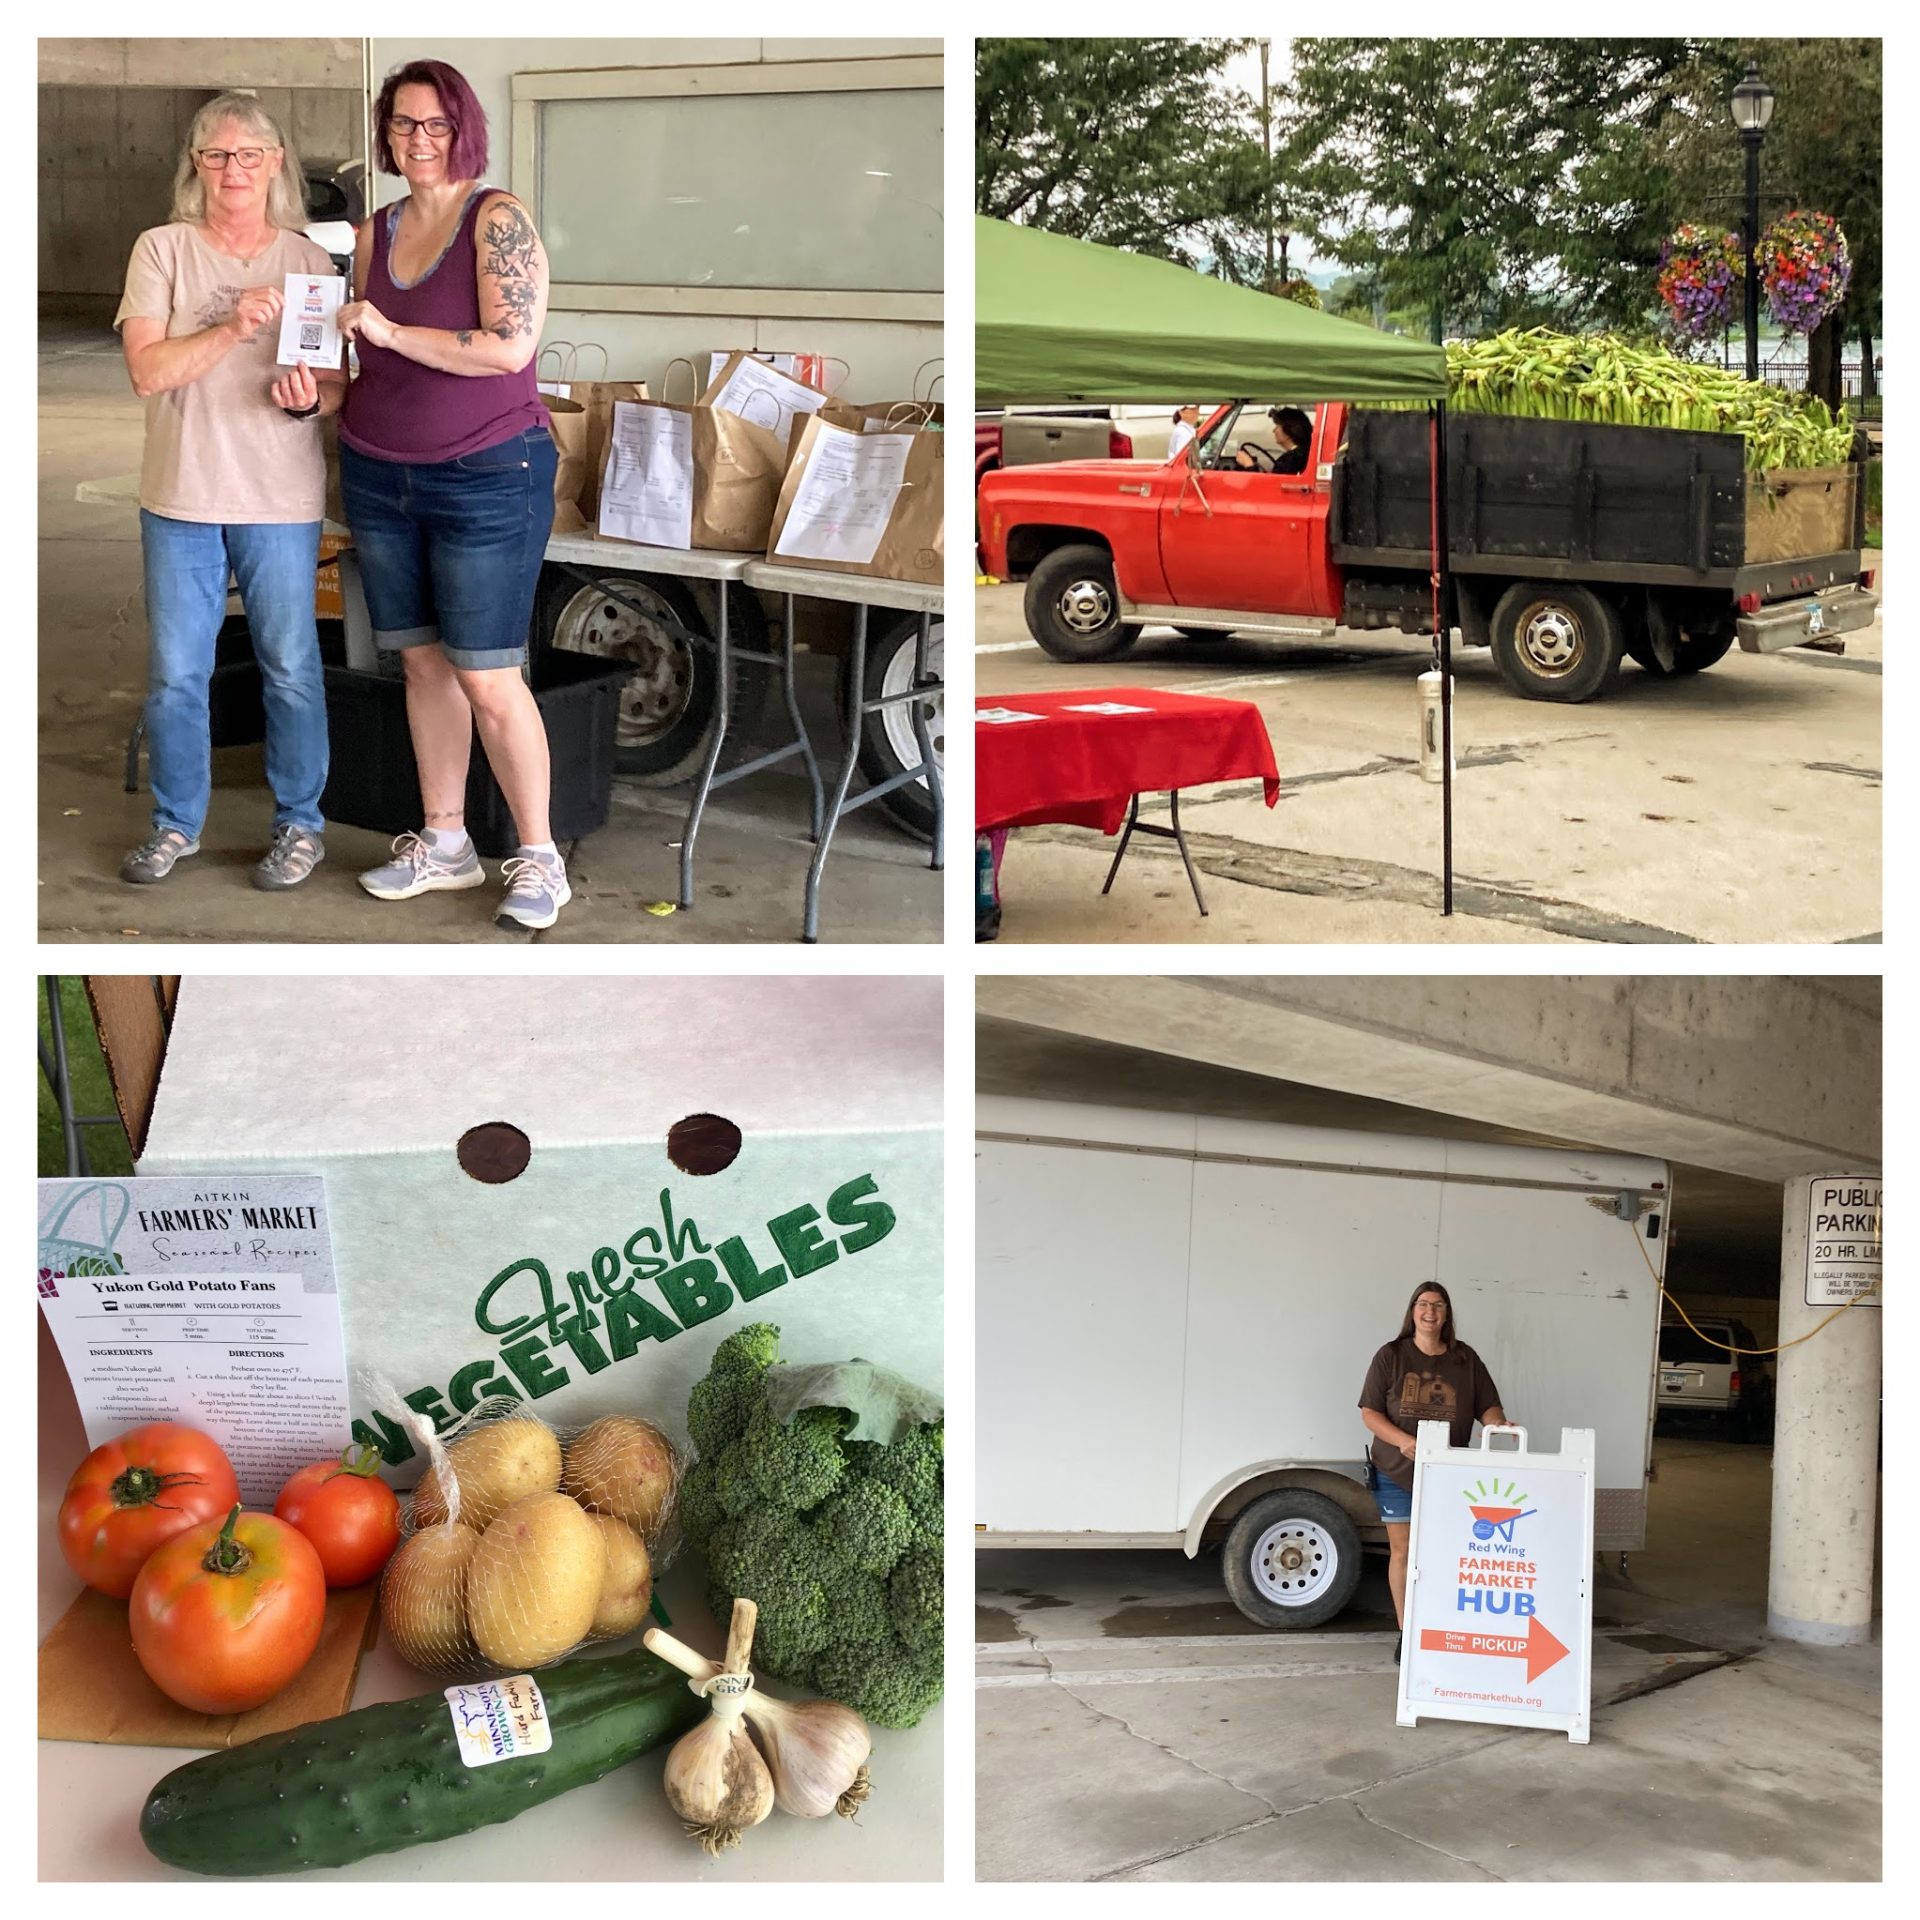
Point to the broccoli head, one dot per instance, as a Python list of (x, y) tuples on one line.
[(837, 1541)]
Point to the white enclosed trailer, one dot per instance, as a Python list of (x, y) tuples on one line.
[(1175, 1314)]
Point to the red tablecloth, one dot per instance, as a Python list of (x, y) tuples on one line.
[(1079, 758)]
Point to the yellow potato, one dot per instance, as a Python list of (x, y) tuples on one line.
[(534, 1584), (499, 1462), (423, 1597), (625, 1467), (626, 1590)]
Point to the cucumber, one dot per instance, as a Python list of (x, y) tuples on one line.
[(391, 1776)]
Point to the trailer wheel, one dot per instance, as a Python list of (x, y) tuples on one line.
[(1292, 1560), (1073, 606), (887, 743), (1556, 642)]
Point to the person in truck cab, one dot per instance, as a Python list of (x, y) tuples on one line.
[(1186, 424), (1292, 430)]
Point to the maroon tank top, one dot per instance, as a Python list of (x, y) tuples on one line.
[(399, 410)]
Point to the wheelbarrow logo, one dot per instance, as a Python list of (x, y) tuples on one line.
[(1496, 1510)]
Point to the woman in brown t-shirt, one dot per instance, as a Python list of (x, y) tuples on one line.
[(1426, 1373)]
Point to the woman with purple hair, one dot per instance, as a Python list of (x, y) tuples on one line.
[(446, 469)]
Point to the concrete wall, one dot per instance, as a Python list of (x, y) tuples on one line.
[(883, 355), (1764, 1077), (113, 114)]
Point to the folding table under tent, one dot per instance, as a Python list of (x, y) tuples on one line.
[(1061, 320)]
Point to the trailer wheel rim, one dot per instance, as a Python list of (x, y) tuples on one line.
[(1551, 639), (899, 724), (655, 698), (1294, 1562), (1086, 606)]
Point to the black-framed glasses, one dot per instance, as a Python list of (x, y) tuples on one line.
[(404, 124), (214, 159)]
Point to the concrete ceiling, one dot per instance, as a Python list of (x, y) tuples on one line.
[(1726, 1230)]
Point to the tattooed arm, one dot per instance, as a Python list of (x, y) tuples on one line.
[(511, 268)]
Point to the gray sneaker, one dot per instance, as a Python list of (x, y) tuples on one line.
[(157, 857), (536, 891), (294, 854), (417, 868)]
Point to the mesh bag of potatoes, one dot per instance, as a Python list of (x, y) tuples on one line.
[(523, 1545)]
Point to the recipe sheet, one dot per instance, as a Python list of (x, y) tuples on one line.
[(310, 320), (647, 492), (845, 497), (764, 395), (208, 1301)]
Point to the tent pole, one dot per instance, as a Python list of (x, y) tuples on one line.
[(1443, 646)]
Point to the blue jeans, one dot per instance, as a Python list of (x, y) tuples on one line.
[(450, 550), (186, 564)]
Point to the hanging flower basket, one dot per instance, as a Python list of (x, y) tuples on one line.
[(1699, 270), (1804, 269)]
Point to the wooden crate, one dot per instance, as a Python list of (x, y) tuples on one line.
[(1795, 512)]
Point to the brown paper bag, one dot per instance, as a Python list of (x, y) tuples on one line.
[(839, 512), (740, 452), (575, 476)]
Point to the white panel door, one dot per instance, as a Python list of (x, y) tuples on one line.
[(1298, 1278), (1080, 1319), (1553, 1293)]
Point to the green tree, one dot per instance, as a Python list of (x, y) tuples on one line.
[(1822, 152), (1485, 182), (1132, 143)]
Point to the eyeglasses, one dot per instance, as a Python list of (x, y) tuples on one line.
[(214, 159), (404, 124)]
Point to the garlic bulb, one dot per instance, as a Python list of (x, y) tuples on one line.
[(715, 1779), (817, 1753), (816, 1750)]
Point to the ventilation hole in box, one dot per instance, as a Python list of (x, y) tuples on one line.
[(703, 1143), (494, 1152)]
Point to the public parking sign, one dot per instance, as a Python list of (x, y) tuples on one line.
[(1499, 1621)]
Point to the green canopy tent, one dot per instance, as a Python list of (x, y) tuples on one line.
[(1060, 320)]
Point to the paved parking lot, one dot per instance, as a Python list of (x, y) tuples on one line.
[(1741, 804), (1132, 1725)]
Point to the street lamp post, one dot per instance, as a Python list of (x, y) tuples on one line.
[(1266, 140), (1752, 109)]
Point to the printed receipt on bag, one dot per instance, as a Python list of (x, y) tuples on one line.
[(845, 496), (765, 396), (648, 494), (310, 320), (499, 1720)]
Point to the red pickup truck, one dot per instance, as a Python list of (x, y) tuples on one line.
[(1571, 545)]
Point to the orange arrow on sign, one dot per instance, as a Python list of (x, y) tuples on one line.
[(1540, 1650)]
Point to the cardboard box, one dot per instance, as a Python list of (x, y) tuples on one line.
[(1795, 513), (600, 1276)]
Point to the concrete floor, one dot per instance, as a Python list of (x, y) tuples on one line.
[(1742, 804), (753, 848), (1130, 1725)]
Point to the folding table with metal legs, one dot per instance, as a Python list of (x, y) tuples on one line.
[(1136, 825), (927, 689)]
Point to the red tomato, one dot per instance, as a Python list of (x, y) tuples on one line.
[(348, 1514), (225, 1615), (136, 1493)]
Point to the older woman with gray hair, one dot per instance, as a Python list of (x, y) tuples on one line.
[(232, 481)]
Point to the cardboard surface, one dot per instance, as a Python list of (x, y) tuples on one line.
[(93, 1688), (1796, 511), (131, 1016)]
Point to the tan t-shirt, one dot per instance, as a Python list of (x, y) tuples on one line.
[(218, 449)]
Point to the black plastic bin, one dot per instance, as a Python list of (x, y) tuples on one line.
[(373, 782), (234, 710)]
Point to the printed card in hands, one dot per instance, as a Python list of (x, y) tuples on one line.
[(310, 320)]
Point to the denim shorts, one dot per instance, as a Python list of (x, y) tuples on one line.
[(450, 551), (1396, 1501)]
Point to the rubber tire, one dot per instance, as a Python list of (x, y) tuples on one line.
[(911, 807), (675, 755), (1290, 1503), (1690, 654), (1044, 586), (1602, 642)]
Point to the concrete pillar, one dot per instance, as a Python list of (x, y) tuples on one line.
[(1826, 1437)]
